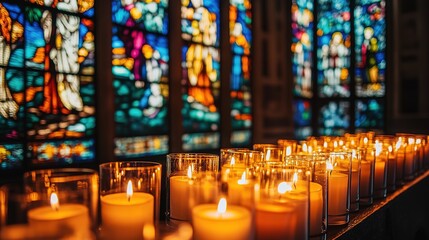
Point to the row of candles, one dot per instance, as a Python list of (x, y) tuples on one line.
[(288, 190)]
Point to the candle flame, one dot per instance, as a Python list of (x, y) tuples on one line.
[(232, 162), (284, 187), (129, 190), (268, 155), (365, 140), (411, 141), (418, 141), (378, 148), (304, 147), (55, 203), (295, 178), (325, 144), (221, 207), (390, 148), (242, 179), (189, 172), (310, 149), (288, 151), (398, 143), (329, 166)]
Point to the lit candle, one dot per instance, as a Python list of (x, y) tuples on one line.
[(284, 216), (123, 215), (179, 196), (409, 160), (240, 191), (55, 219), (338, 204), (221, 222), (380, 171)]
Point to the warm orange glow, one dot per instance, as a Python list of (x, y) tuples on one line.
[(55, 203), (378, 148), (149, 231), (221, 207), (329, 166), (288, 150), (129, 190), (232, 162)]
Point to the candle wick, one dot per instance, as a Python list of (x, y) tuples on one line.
[(129, 198)]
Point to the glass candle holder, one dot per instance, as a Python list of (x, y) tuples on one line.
[(366, 184), (191, 180), (380, 170), (290, 146), (130, 198), (282, 201), (391, 169), (220, 219), (317, 163), (225, 153), (61, 200), (339, 187)]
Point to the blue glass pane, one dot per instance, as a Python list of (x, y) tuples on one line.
[(302, 113), (302, 133), (146, 15), (334, 118), (132, 147), (302, 46), (333, 48), (240, 17), (369, 114), (370, 47)]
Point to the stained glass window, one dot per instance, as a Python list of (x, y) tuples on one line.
[(47, 82), (240, 17), (334, 118), (140, 69), (369, 114), (333, 48), (370, 47), (302, 118), (200, 74), (302, 47)]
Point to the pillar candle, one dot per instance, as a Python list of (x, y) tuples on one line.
[(53, 222), (123, 217), (337, 194), (234, 223), (409, 162), (179, 198), (380, 176), (366, 181)]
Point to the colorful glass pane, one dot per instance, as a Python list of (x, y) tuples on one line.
[(302, 46), (241, 138), (200, 73), (146, 15), (200, 141), (369, 114), (370, 47), (134, 146), (140, 60), (11, 156), (302, 113), (240, 18), (334, 118), (46, 88), (333, 48), (62, 152)]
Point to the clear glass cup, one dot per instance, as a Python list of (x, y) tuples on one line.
[(130, 198), (282, 201), (380, 170), (191, 180), (61, 200), (339, 187), (317, 163), (366, 185)]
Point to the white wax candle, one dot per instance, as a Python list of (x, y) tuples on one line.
[(179, 198), (123, 219), (337, 194), (209, 224), (69, 217), (409, 162)]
